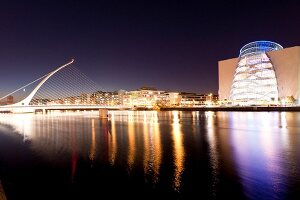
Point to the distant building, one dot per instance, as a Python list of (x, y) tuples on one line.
[(147, 97), (9, 100), (121, 96), (174, 99), (264, 73), (84, 99), (197, 100), (70, 100), (144, 97)]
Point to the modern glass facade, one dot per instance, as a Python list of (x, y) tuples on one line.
[(255, 78)]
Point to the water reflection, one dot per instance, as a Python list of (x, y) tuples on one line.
[(104, 137), (178, 150), (254, 155), (74, 147), (148, 146), (113, 141), (213, 150), (22, 124), (157, 151), (152, 146), (258, 153), (93, 142), (131, 140)]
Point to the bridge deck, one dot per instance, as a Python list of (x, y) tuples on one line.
[(32, 109)]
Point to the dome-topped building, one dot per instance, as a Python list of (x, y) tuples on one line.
[(254, 80), (259, 47), (264, 73)]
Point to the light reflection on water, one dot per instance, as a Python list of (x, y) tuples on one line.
[(113, 141), (93, 142), (260, 154), (178, 150), (252, 155), (213, 151), (131, 139)]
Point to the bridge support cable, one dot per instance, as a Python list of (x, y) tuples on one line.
[(23, 87), (69, 86), (65, 85)]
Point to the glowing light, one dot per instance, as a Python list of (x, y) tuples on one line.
[(213, 150), (179, 151), (157, 148), (255, 79), (93, 142), (131, 140), (283, 120), (22, 123), (113, 140), (148, 146)]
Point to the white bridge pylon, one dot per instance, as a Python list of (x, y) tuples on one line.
[(24, 106), (26, 101)]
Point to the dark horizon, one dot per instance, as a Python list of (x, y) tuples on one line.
[(170, 45)]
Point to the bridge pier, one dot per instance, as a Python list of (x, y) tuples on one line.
[(44, 111), (103, 113)]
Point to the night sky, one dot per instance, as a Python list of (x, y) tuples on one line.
[(171, 45)]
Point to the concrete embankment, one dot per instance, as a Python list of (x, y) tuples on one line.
[(244, 109)]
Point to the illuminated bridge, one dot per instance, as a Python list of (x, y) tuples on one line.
[(65, 88)]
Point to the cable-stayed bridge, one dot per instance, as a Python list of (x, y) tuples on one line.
[(65, 88)]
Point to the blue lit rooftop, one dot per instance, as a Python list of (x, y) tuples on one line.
[(259, 47)]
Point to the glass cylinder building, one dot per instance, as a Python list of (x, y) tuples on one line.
[(254, 81)]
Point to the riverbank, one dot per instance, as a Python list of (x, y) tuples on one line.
[(240, 108)]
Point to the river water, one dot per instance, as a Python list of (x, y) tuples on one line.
[(150, 154)]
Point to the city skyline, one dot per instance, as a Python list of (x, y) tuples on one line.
[(149, 99), (173, 46)]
